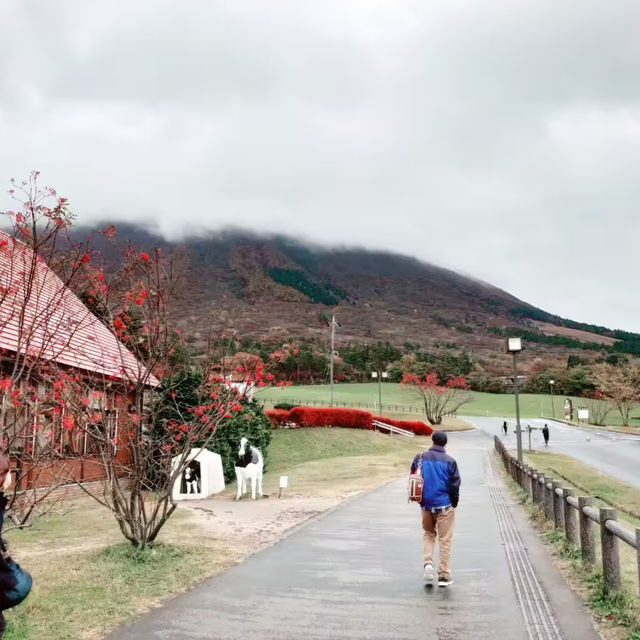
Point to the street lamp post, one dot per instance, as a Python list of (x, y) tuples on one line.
[(514, 347), (379, 375), (553, 409)]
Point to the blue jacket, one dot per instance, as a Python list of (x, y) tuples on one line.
[(441, 478)]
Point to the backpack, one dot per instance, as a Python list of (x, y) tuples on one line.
[(20, 591), (15, 582), (416, 483)]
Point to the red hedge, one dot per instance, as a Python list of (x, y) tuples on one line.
[(330, 417), (278, 417), (416, 426)]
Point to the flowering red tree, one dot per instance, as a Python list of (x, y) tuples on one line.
[(141, 433), (81, 397), (438, 400), (38, 265)]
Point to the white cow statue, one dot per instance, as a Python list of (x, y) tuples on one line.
[(249, 466)]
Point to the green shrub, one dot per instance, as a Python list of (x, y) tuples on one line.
[(285, 406), (251, 423), (181, 394)]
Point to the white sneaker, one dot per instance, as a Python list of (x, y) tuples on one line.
[(429, 575), (444, 581)]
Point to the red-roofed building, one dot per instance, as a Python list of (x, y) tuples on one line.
[(42, 320), (56, 324)]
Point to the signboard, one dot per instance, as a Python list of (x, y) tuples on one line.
[(583, 414)]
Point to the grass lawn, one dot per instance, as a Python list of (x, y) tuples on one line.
[(396, 399), (323, 461), (87, 582), (588, 481)]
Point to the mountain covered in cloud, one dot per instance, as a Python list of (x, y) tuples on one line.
[(275, 286)]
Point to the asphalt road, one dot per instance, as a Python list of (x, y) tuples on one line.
[(356, 574), (615, 454)]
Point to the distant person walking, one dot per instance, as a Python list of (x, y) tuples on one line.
[(439, 501), (504, 427), (545, 434), (15, 583)]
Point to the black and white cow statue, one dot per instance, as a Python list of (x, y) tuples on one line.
[(192, 478), (249, 466)]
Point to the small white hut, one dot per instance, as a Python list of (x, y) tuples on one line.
[(203, 476)]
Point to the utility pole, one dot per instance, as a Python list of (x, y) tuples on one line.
[(553, 409), (334, 324)]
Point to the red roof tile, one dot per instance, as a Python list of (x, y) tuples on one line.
[(57, 326)]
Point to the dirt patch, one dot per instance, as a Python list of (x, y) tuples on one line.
[(253, 524), (577, 334)]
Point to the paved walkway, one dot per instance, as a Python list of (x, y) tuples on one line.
[(356, 574)]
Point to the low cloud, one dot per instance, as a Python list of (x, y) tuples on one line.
[(499, 139)]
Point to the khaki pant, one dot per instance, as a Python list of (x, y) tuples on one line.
[(438, 525)]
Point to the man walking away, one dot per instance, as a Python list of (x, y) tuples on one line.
[(439, 501), (545, 434), (504, 427)]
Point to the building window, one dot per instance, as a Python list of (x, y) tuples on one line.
[(102, 428)]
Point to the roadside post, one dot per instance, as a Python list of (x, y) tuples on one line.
[(284, 483)]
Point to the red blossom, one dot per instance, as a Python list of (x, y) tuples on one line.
[(457, 382)]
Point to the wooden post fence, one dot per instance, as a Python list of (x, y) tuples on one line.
[(576, 517)]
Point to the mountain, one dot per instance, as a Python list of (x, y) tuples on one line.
[(281, 288)]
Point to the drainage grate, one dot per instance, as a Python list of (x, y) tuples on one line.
[(534, 604)]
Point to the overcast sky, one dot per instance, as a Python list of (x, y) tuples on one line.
[(498, 138)]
